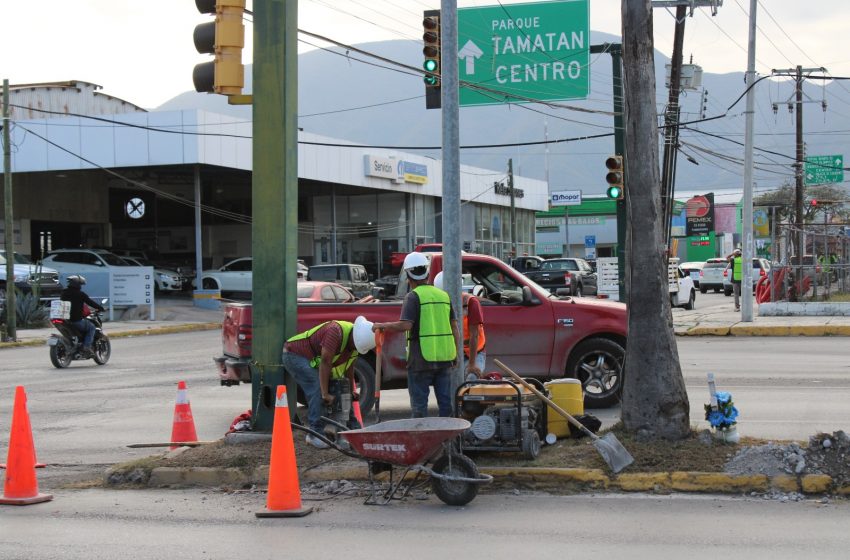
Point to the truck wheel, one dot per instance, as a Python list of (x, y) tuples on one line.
[(703, 289), (727, 292), (364, 375), (598, 364)]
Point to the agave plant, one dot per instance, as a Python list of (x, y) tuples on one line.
[(31, 314)]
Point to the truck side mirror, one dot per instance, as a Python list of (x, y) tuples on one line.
[(528, 297)]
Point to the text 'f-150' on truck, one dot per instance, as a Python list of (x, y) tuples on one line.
[(532, 331)]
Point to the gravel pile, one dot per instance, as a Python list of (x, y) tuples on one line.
[(825, 454)]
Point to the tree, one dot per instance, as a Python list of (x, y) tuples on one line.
[(831, 200), (655, 403)]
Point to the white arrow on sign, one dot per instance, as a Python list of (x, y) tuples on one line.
[(469, 53)]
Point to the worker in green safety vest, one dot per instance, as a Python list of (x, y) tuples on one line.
[(321, 360), (735, 262), (432, 332)]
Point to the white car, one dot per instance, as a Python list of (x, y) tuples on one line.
[(685, 296), (28, 276), (82, 261), (235, 276), (166, 280)]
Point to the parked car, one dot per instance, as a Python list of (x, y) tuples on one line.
[(761, 267), (301, 269), (711, 275), (327, 292), (352, 276), (233, 276), (29, 276), (82, 261), (693, 270), (567, 276), (165, 279)]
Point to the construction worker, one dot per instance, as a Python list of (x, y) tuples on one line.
[(735, 262), (321, 360), (429, 322), (474, 357)]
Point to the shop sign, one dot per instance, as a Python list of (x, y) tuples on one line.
[(699, 215), (413, 172), (384, 167)]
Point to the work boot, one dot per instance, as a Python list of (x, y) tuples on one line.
[(316, 442)]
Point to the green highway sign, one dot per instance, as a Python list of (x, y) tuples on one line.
[(824, 169), (519, 53)]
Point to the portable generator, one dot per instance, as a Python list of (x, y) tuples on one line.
[(504, 416)]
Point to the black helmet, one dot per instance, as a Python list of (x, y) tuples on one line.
[(76, 281)]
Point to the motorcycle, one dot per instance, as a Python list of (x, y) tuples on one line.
[(68, 345)]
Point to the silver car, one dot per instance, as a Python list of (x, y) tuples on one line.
[(711, 275)]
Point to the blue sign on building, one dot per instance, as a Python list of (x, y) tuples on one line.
[(590, 241)]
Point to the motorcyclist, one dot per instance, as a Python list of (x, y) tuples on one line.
[(74, 294)]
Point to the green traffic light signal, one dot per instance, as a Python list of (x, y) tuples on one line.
[(430, 65), (614, 192)]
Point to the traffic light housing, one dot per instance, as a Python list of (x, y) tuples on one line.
[(431, 64), (615, 177), (224, 38)]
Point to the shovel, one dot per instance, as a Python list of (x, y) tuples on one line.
[(608, 446), (379, 341)]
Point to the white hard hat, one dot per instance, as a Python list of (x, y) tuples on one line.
[(416, 265), (364, 338), (438, 280)]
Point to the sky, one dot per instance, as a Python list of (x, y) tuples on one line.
[(142, 52)]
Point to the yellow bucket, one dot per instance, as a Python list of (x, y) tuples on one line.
[(567, 394)]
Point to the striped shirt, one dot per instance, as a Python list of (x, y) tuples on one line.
[(329, 336)]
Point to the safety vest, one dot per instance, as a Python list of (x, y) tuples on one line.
[(338, 368), (736, 268), (435, 330), (466, 334)]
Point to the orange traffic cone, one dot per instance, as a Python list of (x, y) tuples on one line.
[(356, 406), (183, 429), (284, 494), (21, 486), (32, 445)]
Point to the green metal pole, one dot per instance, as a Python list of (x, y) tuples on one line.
[(620, 148), (8, 222), (275, 201)]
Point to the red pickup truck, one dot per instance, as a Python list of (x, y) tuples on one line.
[(532, 331)]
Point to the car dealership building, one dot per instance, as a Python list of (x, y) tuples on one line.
[(92, 170)]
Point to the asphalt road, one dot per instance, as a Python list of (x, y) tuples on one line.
[(194, 524), (86, 415)]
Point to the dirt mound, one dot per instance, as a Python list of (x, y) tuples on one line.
[(825, 454)]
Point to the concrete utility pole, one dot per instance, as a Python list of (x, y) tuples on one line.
[(513, 205), (747, 216), (8, 222), (451, 167), (799, 173)]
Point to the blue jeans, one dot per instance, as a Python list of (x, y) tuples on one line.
[(419, 385), (87, 329), (307, 378)]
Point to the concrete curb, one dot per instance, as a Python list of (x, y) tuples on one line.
[(575, 480), (147, 331), (744, 329)]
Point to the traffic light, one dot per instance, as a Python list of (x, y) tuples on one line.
[(615, 177), (224, 38), (431, 50)]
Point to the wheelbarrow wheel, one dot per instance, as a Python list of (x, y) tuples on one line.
[(455, 493)]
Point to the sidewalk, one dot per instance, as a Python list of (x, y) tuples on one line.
[(172, 315), (728, 323)]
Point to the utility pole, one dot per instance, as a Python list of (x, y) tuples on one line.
[(747, 216), (450, 100), (275, 202), (8, 223), (513, 205), (671, 115), (799, 167)]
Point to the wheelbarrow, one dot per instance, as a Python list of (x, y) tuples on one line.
[(412, 444)]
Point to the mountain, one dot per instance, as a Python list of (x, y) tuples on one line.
[(390, 111)]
